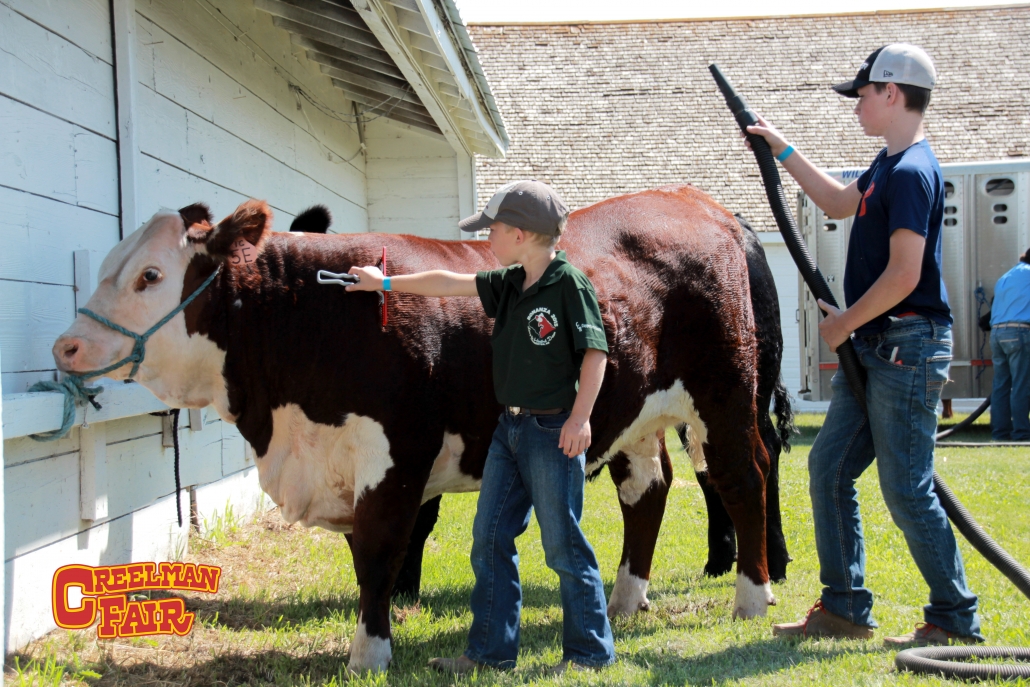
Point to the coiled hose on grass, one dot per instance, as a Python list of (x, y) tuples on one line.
[(912, 659)]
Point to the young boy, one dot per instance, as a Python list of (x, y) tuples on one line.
[(537, 457), (899, 320)]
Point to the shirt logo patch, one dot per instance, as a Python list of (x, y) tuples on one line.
[(580, 326), (868, 192), (543, 325)]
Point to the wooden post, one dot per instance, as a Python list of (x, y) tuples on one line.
[(93, 471), (3, 531), (123, 20)]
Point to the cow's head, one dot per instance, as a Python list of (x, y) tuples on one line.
[(144, 278)]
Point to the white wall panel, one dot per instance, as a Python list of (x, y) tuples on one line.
[(84, 23), (32, 316), (50, 157), (34, 61)]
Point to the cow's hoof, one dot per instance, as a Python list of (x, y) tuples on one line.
[(718, 568), (629, 594), (368, 653), (752, 600)]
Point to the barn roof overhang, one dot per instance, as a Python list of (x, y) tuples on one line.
[(407, 60)]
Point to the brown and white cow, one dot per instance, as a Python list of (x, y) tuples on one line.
[(355, 425)]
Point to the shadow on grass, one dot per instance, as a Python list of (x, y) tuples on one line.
[(755, 658)]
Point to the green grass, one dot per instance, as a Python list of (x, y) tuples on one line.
[(288, 603)]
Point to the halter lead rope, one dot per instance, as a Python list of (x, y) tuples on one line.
[(73, 386)]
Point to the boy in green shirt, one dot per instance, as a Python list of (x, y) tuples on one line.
[(547, 337)]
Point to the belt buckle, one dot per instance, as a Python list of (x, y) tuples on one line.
[(514, 410)]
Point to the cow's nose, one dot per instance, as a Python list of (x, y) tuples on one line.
[(67, 352)]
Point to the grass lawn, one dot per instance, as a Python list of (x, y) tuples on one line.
[(288, 600)]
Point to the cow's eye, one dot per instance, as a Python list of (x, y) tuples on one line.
[(150, 276)]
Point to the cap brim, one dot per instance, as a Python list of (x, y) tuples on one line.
[(476, 222), (849, 89)]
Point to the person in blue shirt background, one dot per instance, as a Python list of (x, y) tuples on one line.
[(1010, 350)]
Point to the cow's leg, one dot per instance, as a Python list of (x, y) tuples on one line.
[(409, 579), (642, 474), (737, 466), (776, 545), (722, 538), (383, 519)]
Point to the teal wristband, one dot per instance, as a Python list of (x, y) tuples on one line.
[(787, 152), (386, 283)]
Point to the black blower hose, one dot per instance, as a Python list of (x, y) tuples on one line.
[(946, 662), (965, 423), (853, 372)]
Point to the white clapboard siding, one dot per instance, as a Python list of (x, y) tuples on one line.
[(33, 60), (48, 156), (39, 236), (148, 534), (84, 23), (32, 316), (221, 80), (236, 455), (785, 275), (412, 182)]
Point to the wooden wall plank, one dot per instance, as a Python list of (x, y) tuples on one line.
[(32, 316), (85, 23), (39, 236), (48, 72), (49, 157), (45, 495)]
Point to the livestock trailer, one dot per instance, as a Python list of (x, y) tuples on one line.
[(986, 229)]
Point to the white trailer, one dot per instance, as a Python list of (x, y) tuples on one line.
[(986, 229)]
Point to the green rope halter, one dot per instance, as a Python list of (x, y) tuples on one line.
[(73, 386)]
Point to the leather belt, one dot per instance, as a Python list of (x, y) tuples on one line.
[(516, 410), (1021, 325)]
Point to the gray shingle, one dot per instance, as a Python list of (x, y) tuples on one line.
[(604, 109)]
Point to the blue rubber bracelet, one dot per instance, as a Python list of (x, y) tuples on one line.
[(386, 283), (787, 152)]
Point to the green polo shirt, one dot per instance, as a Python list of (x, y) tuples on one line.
[(540, 335)]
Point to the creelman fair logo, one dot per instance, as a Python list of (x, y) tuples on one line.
[(543, 325), (80, 592)]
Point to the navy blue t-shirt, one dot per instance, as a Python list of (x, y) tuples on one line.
[(901, 191)]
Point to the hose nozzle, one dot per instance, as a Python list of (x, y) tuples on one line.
[(744, 115)]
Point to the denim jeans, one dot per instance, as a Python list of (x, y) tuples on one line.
[(524, 470), (1010, 398), (907, 365)]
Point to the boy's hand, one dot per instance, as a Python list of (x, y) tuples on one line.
[(369, 279), (575, 436), (777, 143), (832, 327)]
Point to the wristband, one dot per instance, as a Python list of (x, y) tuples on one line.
[(386, 283), (787, 152)]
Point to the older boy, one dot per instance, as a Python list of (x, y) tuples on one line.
[(900, 323), (537, 457)]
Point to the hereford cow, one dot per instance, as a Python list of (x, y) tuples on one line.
[(355, 425)]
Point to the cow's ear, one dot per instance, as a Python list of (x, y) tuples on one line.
[(198, 213), (251, 222)]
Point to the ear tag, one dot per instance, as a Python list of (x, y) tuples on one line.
[(243, 252)]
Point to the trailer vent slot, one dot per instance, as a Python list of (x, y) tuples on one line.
[(950, 222), (830, 226), (1001, 219), (949, 189), (1000, 207), (999, 187), (951, 209)]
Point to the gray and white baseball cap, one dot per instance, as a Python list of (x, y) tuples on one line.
[(530, 205), (895, 63)]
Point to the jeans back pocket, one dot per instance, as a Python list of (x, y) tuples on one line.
[(936, 377)]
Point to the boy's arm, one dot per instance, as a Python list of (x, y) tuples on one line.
[(898, 280), (575, 433), (432, 283), (832, 197)]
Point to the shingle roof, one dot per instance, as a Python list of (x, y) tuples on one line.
[(609, 108)]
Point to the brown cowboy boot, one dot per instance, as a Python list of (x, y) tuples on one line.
[(819, 622)]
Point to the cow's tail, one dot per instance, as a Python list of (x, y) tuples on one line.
[(784, 410)]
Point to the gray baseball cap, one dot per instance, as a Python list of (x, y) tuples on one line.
[(895, 63), (529, 205)]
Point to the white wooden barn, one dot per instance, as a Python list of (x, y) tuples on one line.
[(112, 110)]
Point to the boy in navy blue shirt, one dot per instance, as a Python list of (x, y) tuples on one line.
[(899, 321)]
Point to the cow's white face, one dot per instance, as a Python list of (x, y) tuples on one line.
[(140, 282)]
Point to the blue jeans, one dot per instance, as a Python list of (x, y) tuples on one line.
[(525, 469), (1010, 398), (907, 365)]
